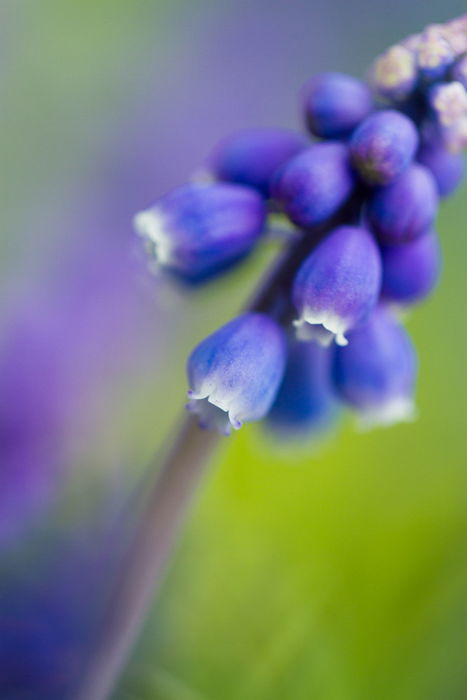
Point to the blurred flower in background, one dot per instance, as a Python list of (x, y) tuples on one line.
[(341, 578)]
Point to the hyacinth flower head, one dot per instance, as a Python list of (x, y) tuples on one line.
[(360, 196)]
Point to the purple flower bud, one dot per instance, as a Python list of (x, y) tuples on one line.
[(406, 208), (335, 103), (198, 228), (376, 372), (395, 73), (383, 146), (411, 271), (305, 403), (338, 285), (315, 184), (235, 373), (447, 168), (434, 53), (251, 156)]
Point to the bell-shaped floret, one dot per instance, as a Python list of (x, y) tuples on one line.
[(376, 373), (199, 228), (338, 285), (234, 374), (403, 210)]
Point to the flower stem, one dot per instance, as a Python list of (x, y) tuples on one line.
[(151, 544), (171, 494)]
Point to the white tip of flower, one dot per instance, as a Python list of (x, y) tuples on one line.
[(214, 412), (210, 417), (151, 225), (400, 409), (322, 327)]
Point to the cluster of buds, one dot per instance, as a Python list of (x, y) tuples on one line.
[(361, 199), (426, 75)]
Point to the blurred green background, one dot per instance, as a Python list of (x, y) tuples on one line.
[(335, 572)]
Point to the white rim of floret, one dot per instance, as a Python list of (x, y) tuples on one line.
[(322, 326), (214, 410), (151, 225), (398, 409)]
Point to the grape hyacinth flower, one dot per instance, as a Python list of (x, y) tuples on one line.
[(331, 267), (337, 286), (383, 146), (376, 372), (199, 228), (410, 271), (363, 202), (234, 374), (334, 104), (405, 209)]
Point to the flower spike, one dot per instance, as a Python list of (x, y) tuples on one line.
[(359, 206)]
